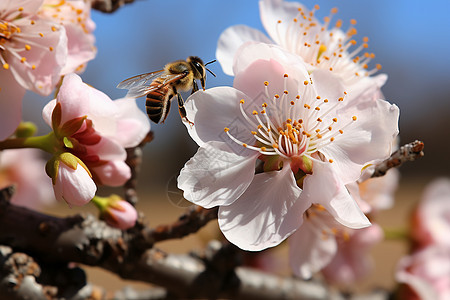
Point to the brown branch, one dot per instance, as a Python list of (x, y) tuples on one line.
[(190, 222), (134, 161), (109, 6), (408, 152), (86, 240)]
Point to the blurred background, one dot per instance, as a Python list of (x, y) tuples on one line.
[(411, 40)]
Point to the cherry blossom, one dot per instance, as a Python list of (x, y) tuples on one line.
[(74, 15), (96, 131), (32, 54), (426, 273), (310, 140), (431, 221), (23, 168), (322, 46)]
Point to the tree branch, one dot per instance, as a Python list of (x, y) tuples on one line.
[(408, 152), (109, 6)]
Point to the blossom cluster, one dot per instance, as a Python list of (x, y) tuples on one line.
[(40, 41), (285, 151)]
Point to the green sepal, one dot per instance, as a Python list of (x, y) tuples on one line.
[(51, 168), (67, 142), (26, 129), (272, 163)]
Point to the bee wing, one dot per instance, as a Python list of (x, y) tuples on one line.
[(141, 85)]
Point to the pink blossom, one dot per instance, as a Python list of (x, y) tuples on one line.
[(320, 45), (426, 273), (96, 130), (120, 214), (352, 261), (24, 169), (431, 222), (32, 54), (310, 139), (74, 15)]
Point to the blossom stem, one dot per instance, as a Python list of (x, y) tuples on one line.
[(100, 202), (396, 234), (47, 143)]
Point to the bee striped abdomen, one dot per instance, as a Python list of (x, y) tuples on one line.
[(158, 102)]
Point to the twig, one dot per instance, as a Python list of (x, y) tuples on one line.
[(408, 152), (109, 6), (86, 240), (190, 222), (134, 161)]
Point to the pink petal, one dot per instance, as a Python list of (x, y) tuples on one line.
[(231, 39), (132, 125), (325, 187), (113, 173), (75, 187), (47, 57), (216, 175), (266, 213), (11, 94), (309, 250)]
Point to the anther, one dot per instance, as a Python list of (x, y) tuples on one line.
[(226, 129), (305, 82), (254, 112), (242, 101), (354, 118), (266, 83)]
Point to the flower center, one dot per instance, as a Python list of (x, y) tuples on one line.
[(7, 30), (294, 127), (325, 48)]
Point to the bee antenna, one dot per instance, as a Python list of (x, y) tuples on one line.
[(210, 72), (210, 62)]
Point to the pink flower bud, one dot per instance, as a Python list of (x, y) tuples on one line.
[(120, 214)]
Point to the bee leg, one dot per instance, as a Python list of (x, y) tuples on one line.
[(182, 110), (195, 87)]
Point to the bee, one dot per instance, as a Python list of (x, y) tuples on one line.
[(161, 86)]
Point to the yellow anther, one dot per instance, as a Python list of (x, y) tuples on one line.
[(334, 120), (259, 126), (263, 148), (277, 96), (23, 59), (339, 24), (318, 97), (41, 34), (264, 104), (286, 75), (33, 67), (226, 129), (334, 10), (292, 103), (354, 118), (244, 145), (341, 99), (50, 48), (306, 106), (20, 9), (6, 66), (317, 108), (242, 101), (319, 120), (378, 66), (254, 133), (279, 21), (316, 7), (365, 39), (330, 160), (353, 22), (263, 111), (325, 100), (266, 83), (254, 112), (275, 145), (285, 92), (341, 131), (27, 47), (54, 28), (331, 139), (289, 121), (305, 82)]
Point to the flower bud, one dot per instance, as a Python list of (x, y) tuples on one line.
[(116, 212)]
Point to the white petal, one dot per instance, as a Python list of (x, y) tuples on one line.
[(325, 187), (309, 250), (266, 214), (274, 10), (369, 138), (213, 110), (231, 39), (216, 175)]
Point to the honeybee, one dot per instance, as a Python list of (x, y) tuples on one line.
[(161, 86)]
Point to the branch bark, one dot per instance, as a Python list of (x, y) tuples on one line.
[(407, 152)]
